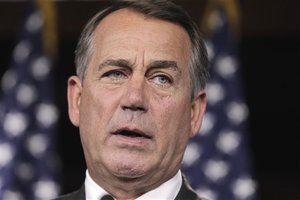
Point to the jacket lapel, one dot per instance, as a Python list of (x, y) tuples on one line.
[(186, 192)]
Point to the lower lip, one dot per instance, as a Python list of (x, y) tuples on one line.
[(124, 141)]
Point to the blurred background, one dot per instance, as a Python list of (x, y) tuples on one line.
[(268, 47)]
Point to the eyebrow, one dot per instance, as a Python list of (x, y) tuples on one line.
[(164, 64), (158, 64), (111, 62)]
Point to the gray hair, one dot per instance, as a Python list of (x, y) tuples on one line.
[(158, 9)]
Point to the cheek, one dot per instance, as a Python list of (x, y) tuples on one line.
[(98, 103), (174, 117), (174, 129), (94, 112)]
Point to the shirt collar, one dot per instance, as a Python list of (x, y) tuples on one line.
[(92, 190), (165, 191)]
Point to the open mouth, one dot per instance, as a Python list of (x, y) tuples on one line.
[(132, 134)]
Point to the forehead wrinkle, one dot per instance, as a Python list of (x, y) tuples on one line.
[(143, 57)]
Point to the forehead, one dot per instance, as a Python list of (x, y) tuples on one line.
[(127, 27), (127, 17)]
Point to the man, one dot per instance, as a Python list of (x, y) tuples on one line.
[(137, 99)]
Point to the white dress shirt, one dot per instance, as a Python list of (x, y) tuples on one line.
[(165, 191)]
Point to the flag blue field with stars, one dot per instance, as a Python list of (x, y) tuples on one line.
[(217, 162), (28, 117)]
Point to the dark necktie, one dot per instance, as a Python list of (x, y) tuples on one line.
[(107, 197)]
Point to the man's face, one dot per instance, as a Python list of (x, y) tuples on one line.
[(134, 107)]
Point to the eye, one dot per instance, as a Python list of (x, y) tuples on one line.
[(115, 75), (162, 80)]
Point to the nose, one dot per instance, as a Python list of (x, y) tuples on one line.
[(134, 96)]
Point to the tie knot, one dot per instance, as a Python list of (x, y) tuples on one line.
[(107, 197)]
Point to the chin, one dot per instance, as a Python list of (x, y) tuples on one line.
[(129, 168), (129, 174)]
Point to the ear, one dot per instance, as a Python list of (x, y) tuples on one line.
[(197, 112), (74, 95)]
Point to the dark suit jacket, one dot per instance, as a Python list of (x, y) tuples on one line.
[(185, 193)]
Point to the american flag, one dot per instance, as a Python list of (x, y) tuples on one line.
[(218, 162), (28, 116)]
